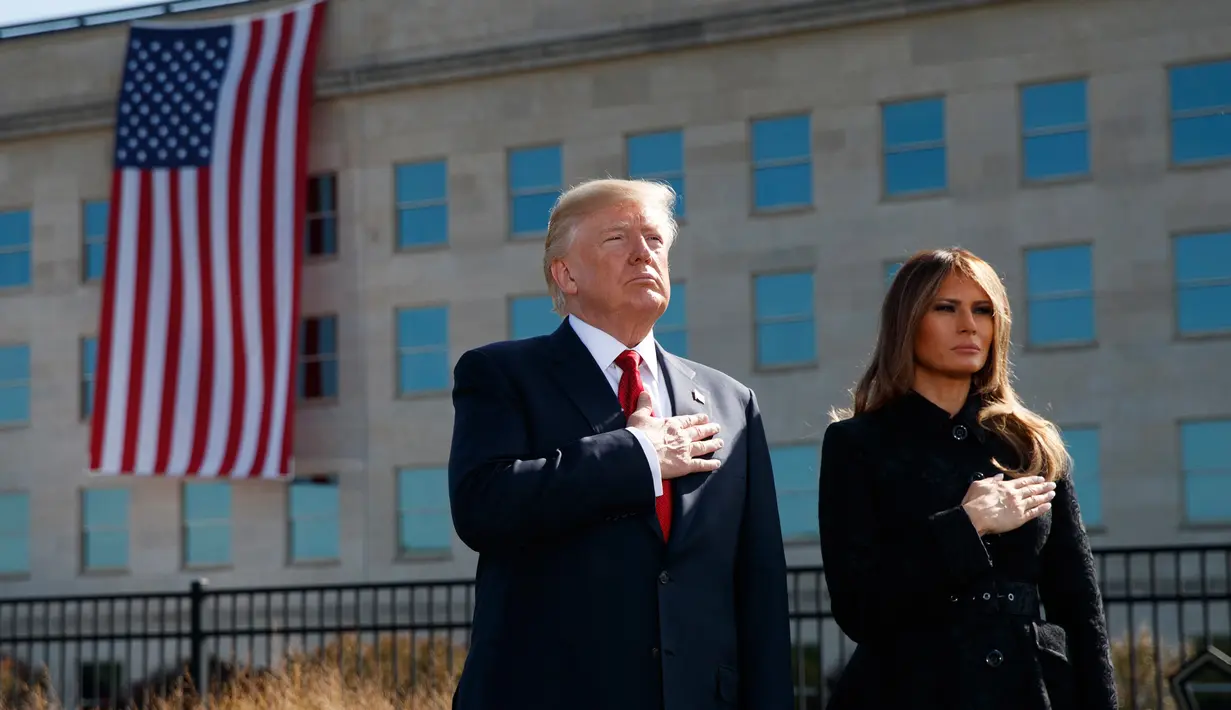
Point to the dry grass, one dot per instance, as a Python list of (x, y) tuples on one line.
[(344, 674)]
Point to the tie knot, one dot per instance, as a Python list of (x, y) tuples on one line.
[(628, 361)]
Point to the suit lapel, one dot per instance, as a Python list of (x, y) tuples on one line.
[(686, 398), (584, 383)]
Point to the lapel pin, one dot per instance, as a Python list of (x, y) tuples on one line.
[(698, 397)]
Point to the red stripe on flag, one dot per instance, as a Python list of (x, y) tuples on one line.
[(175, 301), (205, 377), (141, 308), (239, 348), (307, 72), (102, 366), (269, 205)]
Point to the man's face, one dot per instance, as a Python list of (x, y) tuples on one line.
[(618, 263)]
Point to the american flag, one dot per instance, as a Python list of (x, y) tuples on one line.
[(200, 300)]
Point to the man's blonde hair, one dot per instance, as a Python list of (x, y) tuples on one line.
[(580, 201)]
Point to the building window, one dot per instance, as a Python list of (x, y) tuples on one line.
[(1083, 446), (101, 684), (14, 533), (1205, 451), (314, 521), (796, 478), (914, 144), (536, 177), (1202, 283), (321, 222), (530, 316), (782, 162), (94, 217), (15, 264), (14, 384), (785, 326), (89, 360), (1060, 295), (671, 330), (207, 524), (422, 204), (1200, 112), (891, 270), (318, 358), (1055, 131), (425, 524), (423, 349), (660, 157), (104, 544)]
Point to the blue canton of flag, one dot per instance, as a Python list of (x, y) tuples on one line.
[(169, 96)]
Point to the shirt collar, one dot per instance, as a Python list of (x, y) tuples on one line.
[(605, 349)]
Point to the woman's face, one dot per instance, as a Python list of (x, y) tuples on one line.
[(955, 334)]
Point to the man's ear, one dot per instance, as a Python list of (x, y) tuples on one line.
[(563, 277)]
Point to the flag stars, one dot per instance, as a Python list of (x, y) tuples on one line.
[(176, 76)]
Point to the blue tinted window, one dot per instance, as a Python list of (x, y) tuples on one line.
[(422, 193), (659, 156), (425, 525), (530, 316), (15, 265), (536, 177), (423, 349), (207, 524), (94, 239), (891, 270), (14, 384), (314, 521), (321, 220), (914, 144), (1055, 131), (104, 528), (671, 330), (1203, 283), (1205, 451), (14, 533), (317, 372), (796, 478), (89, 360), (1200, 112), (1083, 445), (782, 162), (1060, 295), (785, 327)]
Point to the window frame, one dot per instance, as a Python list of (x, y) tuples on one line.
[(398, 207), (1028, 299)]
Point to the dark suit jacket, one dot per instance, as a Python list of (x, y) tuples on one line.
[(579, 603), (944, 618)]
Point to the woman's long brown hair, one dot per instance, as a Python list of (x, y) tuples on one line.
[(891, 373)]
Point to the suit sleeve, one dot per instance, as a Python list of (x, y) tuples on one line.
[(500, 499), (763, 612), (869, 560), (1070, 595)]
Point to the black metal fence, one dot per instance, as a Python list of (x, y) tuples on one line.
[(1164, 605)]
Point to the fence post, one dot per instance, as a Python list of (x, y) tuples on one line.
[(196, 639)]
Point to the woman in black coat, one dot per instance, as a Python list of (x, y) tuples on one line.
[(949, 524)]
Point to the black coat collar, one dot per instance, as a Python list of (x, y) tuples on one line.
[(914, 412)]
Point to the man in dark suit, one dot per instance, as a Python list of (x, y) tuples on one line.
[(620, 498)]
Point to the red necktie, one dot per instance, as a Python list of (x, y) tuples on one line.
[(630, 389)]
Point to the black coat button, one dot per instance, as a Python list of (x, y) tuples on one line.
[(979, 475), (959, 432), (654, 653), (663, 577), (995, 658)]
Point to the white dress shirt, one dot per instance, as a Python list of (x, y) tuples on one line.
[(605, 349)]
